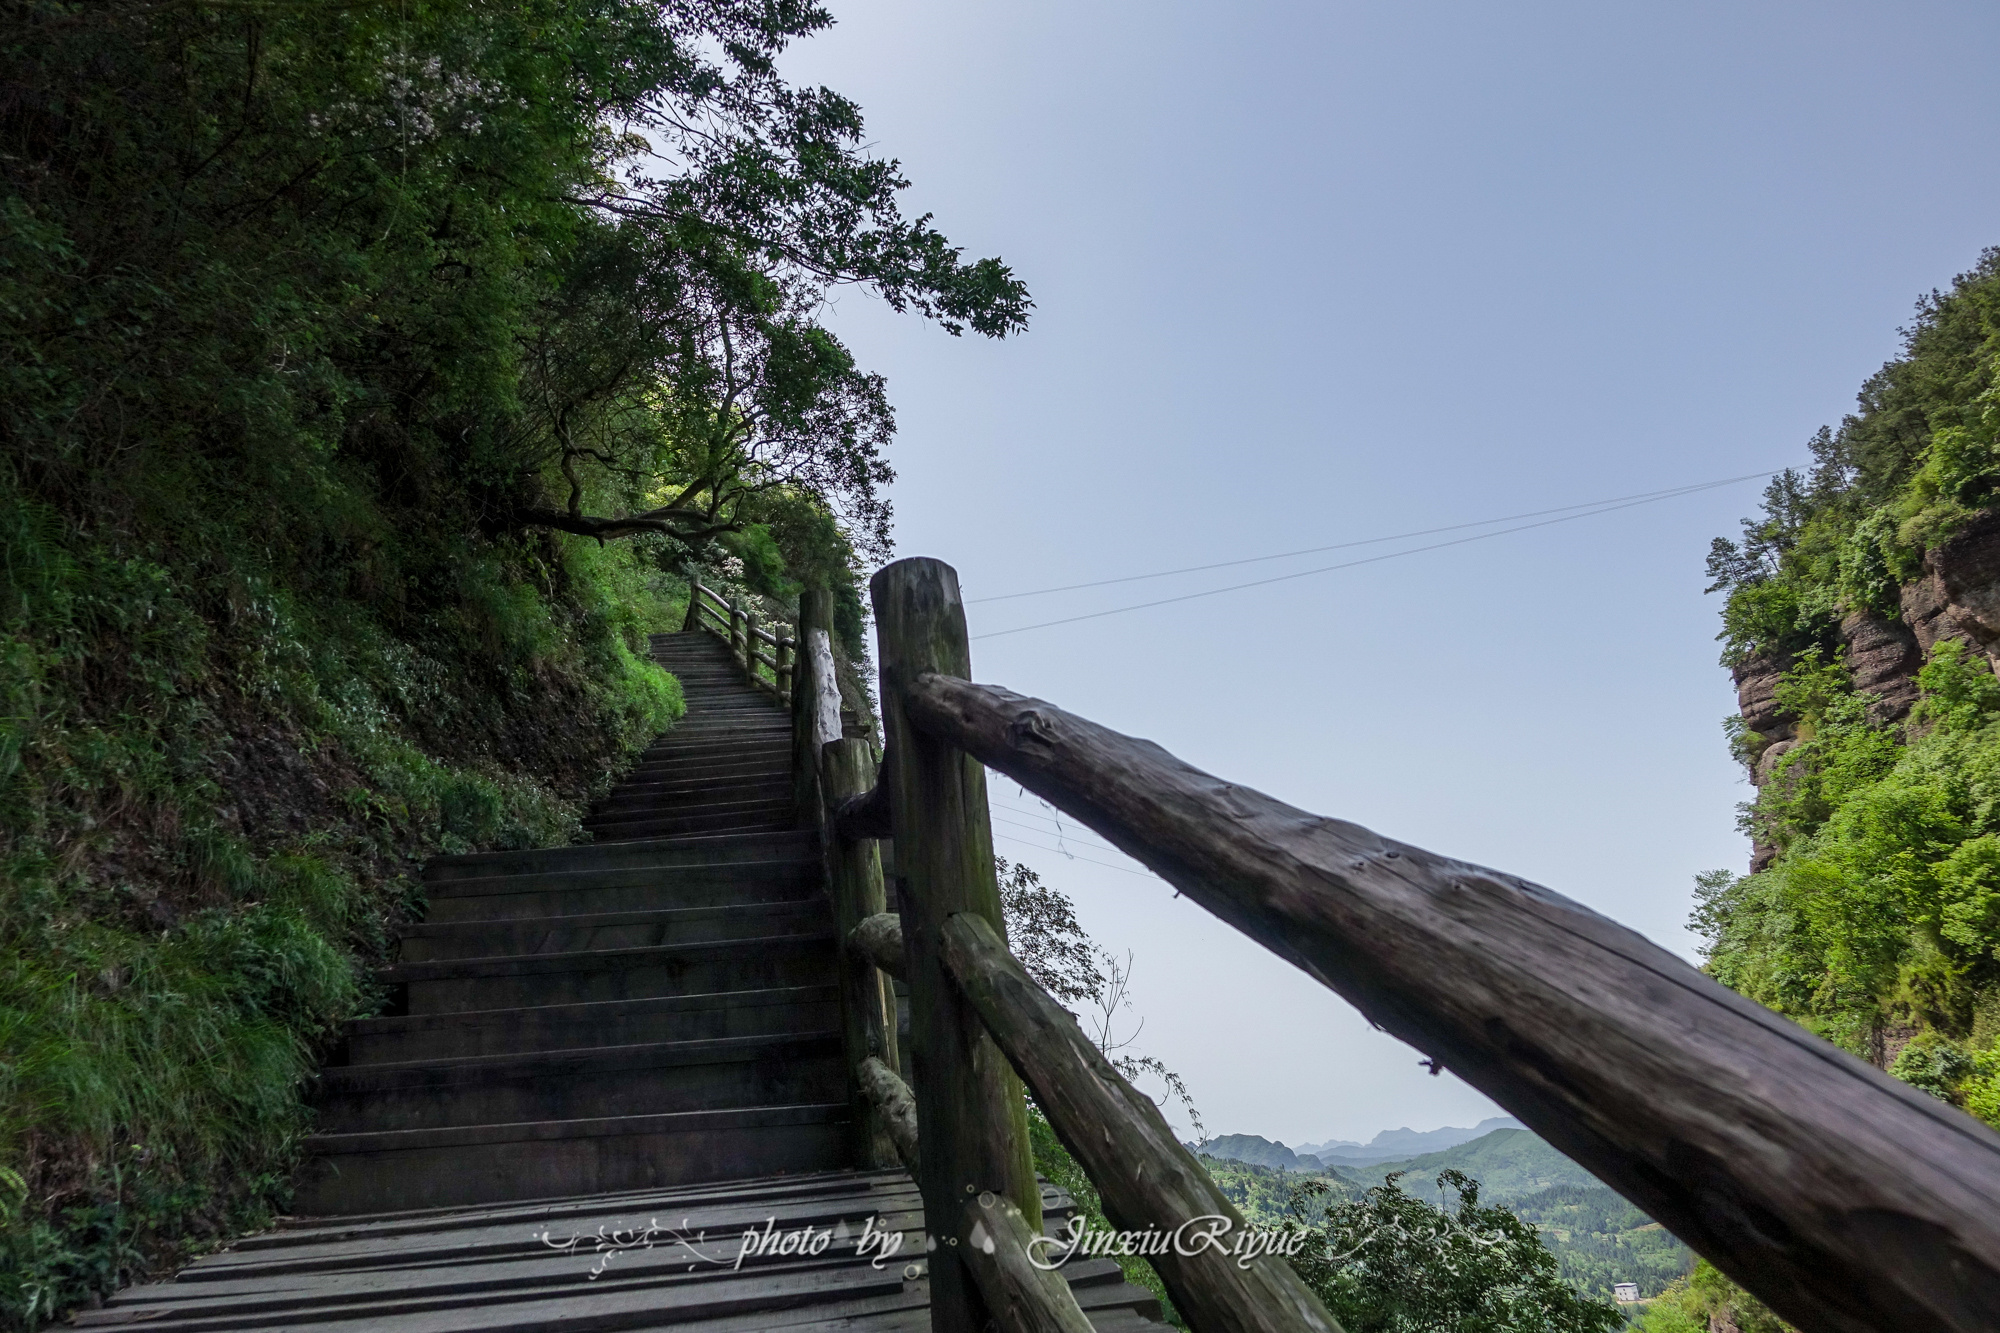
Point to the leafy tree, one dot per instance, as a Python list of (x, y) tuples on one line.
[(1043, 932), (1706, 1299), (1884, 907), (329, 334), (1392, 1263)]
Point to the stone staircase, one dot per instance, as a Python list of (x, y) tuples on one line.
[(654, 1009), (627, 1051)]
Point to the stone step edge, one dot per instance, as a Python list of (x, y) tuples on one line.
[(492, 886), (295, 1229), (430, 930), (585, 1010), (544, 1131), (678, 807), (592, 960), (575, 849), (454, 1071)]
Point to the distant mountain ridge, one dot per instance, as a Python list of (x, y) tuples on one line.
[(1259, 1151), (1388, 1146), (1393, 1143)]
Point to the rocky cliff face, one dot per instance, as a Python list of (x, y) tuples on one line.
[(1957, 598)]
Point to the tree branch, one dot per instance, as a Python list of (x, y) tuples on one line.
[(683, 524)]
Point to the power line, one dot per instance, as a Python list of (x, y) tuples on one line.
[(1071, 856), (1046, 818), (1058, 833), (1370, 560), (1667, 494)]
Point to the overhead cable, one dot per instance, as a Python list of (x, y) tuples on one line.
[(1369, 560)]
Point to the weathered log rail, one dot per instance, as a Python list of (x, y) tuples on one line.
[(750, 644), (1847, 1201)]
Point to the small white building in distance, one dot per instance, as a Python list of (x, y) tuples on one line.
[(1625, 1292)]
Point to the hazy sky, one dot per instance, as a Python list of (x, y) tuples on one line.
[(1310, 273)]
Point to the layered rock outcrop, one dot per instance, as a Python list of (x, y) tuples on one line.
[(1956, 598)]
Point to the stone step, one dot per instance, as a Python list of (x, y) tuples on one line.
[(644, 808), (749, 717), (432, 941), (635, 889), (692, 768), (656, 1078), (556, 1027), (718, 762), (719, 765), (699, 775), (758, 731), (714, 849), (749, 786), (775, 744), (804, 958), (435, 1168), (607, 835)]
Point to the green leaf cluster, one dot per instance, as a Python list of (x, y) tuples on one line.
[(1390, 1262), (1880, 920), (1704, 1300), (1904, 471)]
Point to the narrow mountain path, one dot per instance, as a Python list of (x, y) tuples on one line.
[(609, 1062)]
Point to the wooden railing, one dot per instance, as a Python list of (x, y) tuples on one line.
[(1847, 1201), (750, 644)]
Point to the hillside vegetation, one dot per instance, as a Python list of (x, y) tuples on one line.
[(1860, 628), (1597, 1238), (367, 375)]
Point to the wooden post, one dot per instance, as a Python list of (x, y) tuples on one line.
[(867, 1003), (972, 1115), (693, 620), (750, 645), (809, 726), (736, 636), (1024, 1296), (784, 668)]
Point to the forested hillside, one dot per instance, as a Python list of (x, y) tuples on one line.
[(1597, 1238), (368, 374), (1862, 627)]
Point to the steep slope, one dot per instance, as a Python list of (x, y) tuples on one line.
[(1862, 628)]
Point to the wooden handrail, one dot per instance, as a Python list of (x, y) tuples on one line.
[(1022, 1296), (879, 939), (897, 1106), (1146, 1178), (737, 626), (1845, 1200)]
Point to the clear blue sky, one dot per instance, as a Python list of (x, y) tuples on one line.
[(1307, 273)]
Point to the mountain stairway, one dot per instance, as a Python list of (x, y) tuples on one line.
[(655, 1008), (605, 1064)]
